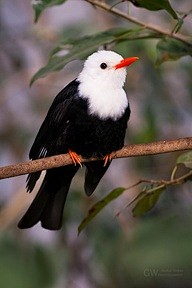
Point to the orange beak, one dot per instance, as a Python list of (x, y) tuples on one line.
[(126, 62)]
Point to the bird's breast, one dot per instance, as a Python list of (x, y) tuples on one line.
[(104, 101), (89, 135)]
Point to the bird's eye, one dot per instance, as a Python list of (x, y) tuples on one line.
[(103, 65)]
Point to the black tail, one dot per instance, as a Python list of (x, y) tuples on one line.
[(48, 205), (93, 174)]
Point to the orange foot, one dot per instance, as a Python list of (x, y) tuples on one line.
[(75, 157), (107, 159)]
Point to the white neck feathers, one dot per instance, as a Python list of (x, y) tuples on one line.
[(104, 101)]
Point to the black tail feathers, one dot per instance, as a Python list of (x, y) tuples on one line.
[(93, 174), (48, 205)]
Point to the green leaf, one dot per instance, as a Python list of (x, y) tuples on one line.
[(155, 5), (138, 197), (95, 209), (148, 201), (172, 49), (186, 159), (40, 5), (80, 48), (178, 25)]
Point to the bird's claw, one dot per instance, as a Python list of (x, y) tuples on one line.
[(75, 158), (107, 159)]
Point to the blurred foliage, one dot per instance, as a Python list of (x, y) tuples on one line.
[(155, 6), (28, 266), (168, 49), (40, 6), (157, 252), (186, 159), (149, 195), (152, 250), (80, 48), (157, 244)]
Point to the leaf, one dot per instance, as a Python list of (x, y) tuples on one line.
[(155, 5), (178, 25), (186, 159), (172, 49), (80, 48), (148, 201), (95, 209), (136, 198), (40, 5)]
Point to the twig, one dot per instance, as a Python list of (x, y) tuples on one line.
[(153, 148), (125, 16), (159, 184), (164, 183)]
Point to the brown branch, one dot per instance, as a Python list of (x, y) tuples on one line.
[(153, 148), (158, 30)]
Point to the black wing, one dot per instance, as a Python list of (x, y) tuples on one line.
[(54, 121), (50, 129)]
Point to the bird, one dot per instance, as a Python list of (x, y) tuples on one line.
[(89, 118)]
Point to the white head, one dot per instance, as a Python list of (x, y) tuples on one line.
[(101, 82)]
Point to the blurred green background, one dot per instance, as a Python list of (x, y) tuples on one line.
[(151, 251)]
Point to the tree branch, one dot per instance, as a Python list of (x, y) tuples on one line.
[(153, 148), (125, 16)]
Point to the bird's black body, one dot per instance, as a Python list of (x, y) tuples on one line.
[(68, 125)]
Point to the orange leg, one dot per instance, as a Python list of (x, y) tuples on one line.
[(75, 157), (107, 159)]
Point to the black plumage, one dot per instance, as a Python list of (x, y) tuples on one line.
[(68, 125)]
